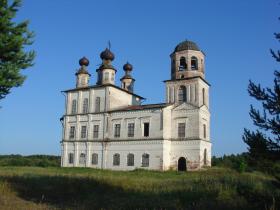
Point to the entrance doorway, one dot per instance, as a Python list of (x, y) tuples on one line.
[(182, 164)]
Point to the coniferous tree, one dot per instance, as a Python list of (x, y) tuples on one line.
[(264, 143), (14, 37)]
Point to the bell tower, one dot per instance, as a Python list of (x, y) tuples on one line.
[(187, 83)]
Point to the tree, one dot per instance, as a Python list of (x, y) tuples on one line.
[(264, 143), (14, 37)]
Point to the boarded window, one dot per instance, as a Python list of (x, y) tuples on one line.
[(181, 130), (74, 107), (82, 159), (94, 159), (145, 160), (116, 159), (84, 132), (72, 132), (146, 129), (97, 104), (95, 131), (106, 78), (85, 106), (130, 132), (117, 132), (71, 158), (182, 94), (130, 159)]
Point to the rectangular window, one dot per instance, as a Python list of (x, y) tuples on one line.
[(72, 132), (204, 131), (146, 129), (71, 158), (181, 130), (117, 132), (130, 132), (97, 104), (84, 132), (85, 106), (95, 131), (74, 107)]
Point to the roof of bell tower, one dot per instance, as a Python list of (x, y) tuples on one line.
[(186, 45)]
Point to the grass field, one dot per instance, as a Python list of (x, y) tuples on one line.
[(80, 188)]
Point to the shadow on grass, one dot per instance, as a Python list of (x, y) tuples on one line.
[(67, 192)]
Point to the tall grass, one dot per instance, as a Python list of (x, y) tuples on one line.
[(81, 188)]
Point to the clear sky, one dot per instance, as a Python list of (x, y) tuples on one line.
[(235, 35)]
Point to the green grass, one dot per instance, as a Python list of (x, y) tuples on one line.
[(81, 188)]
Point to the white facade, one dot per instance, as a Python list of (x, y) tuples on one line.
[(105, 126)]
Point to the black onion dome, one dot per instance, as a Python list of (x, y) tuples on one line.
[(127, 67), (107, 55), (84, 61), (186, 45)]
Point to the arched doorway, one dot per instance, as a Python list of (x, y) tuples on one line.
[(182, 164)]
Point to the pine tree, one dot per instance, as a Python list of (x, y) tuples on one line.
[(264, 143), (14, 37)]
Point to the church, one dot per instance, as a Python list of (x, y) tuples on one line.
[(108, 127)]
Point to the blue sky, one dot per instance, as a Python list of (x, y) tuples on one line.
[(235, 35)]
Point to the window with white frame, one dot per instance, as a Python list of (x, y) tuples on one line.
[(181, 130), (95, 131), (130, 129), (94, 159), (71, 158), (85, 106), (145, 160), (84, 132), (72, 132), (74, 107), (130, 159), (116, 159), (117, 130)]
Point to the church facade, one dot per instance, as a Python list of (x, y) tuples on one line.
[(106, 126)]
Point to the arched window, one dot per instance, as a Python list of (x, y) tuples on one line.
[(94, 159), (205, 157), (194, 63), (82, 159), (97, 104), (74, 106), (182, 94), (145, 160), (183, 64), (116, 159), (203, 96), (85, 105), (130, 159)]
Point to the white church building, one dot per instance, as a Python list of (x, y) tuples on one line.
[(106, 126)]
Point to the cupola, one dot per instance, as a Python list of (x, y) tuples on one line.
[(127, 82), (82, 73), (106, 71)]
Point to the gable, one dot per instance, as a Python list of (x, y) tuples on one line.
[(185, 106)]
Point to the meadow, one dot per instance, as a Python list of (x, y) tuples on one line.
[(82, 188)]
